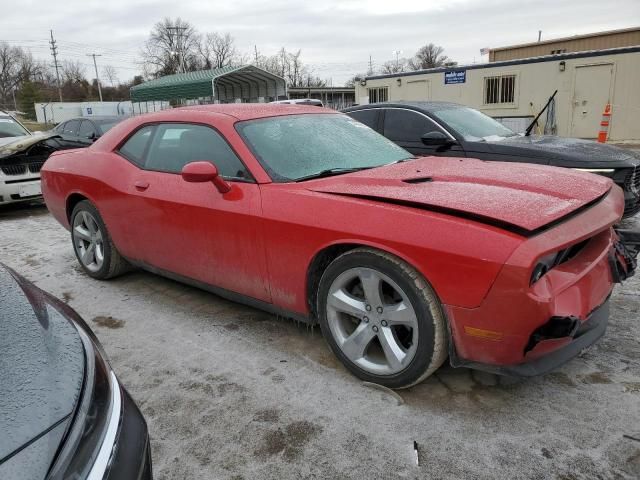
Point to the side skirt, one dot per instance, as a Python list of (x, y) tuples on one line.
[(226, 294)]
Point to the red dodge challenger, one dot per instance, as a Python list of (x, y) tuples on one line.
[(306, 212)]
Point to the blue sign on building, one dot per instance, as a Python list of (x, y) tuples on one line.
[(451, 78)]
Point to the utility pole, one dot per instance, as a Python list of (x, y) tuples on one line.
[(539, 35), (370, 72), (397, 53), (54, 53), (256, 50), (96, 67)]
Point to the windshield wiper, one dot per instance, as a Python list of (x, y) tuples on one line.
[(527, 132), (330, 172)]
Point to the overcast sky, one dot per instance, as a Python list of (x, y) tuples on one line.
[(336, 36)]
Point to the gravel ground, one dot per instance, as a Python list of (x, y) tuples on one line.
[(230, 392)]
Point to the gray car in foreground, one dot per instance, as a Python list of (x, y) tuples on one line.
[(63, 413)]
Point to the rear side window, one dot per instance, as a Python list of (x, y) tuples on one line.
[(368, 117), (72, 127), (407, 126), (135, 148), (176, 144)]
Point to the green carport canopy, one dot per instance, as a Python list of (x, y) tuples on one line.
[(227, 84)]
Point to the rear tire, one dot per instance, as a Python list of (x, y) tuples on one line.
[(92, 243), (381, 318)]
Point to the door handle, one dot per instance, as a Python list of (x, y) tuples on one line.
[(141, 185)]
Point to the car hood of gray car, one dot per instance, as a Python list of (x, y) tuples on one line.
[(41, 375), (570, 152)]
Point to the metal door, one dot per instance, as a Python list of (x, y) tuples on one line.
[(590, 96)]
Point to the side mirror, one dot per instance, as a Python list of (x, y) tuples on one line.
[(92, 136), (198, 172), (437, 139)]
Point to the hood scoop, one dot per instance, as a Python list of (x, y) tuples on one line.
[(418, 180)]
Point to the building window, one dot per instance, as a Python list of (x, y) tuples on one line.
[(559, 51), (377, 95), (499, 89)]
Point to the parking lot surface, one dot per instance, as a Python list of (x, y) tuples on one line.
[(230, 392)]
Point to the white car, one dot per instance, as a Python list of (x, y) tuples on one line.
[(301, 101), (22, 154)]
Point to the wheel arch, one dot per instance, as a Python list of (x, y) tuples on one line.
[(74, 199), (329, 252)]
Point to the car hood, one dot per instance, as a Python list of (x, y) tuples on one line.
[(568, 152), (12, 145), (518, 197), (41, 375), (7, 140)]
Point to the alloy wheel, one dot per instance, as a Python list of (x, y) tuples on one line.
[(88, 241), (372, 321)]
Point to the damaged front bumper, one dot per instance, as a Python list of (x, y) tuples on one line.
[(563, 337), (526, 328), (547, 351)]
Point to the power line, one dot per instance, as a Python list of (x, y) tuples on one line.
[(54, 53)]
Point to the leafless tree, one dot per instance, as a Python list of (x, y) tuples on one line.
[(218, 51), (430, 56), (17, 65), (357, 78), (73, 72), (109, 72), (395, 66), (295, 70), (172, 47), (311, 80)]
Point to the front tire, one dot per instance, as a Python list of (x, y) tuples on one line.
[(92, 243), (381, 318)]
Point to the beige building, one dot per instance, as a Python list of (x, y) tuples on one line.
[(626, 37), (514, 91)]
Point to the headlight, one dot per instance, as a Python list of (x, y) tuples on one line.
[(605, 172), (542, 267), (597, 170), (554, 259)]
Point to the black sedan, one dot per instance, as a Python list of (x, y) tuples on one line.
[(82, 132), (63, 413), (449, 129)]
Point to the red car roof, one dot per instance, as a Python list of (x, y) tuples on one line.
[(250, 111)]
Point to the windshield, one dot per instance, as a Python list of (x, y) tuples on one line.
[(106, 125), (10, 128), (297, 146), (473, 125)]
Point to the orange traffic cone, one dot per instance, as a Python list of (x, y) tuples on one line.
[(604, 124)]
